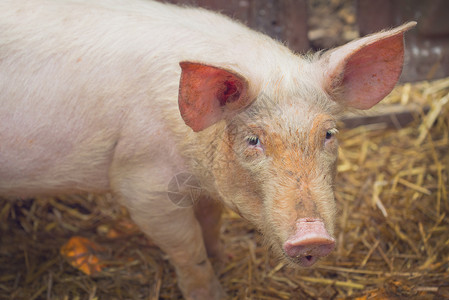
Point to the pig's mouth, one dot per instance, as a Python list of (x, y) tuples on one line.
[(304, 260), (309, 259), (308, 255)]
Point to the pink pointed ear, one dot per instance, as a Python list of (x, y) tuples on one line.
[(361, 73), (208, 94)]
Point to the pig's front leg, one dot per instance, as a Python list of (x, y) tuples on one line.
[(175, 230), (208, 212)]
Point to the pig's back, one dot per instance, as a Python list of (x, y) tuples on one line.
[(78, 80)]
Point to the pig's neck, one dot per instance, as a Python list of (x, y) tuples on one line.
[(201, 150)]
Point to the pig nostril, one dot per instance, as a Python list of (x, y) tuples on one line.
[(309, 257)]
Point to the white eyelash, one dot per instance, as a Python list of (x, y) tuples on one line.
[(252, 138), (333, 131)]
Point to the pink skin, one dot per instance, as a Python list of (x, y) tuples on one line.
[(310, 242)]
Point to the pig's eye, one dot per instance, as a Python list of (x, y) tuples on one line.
[(330, 133), (253, 141)]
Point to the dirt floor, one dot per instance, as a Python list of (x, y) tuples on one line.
[(392, 226)]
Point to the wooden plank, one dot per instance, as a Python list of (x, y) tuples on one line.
[(395, 116), (284, 20)]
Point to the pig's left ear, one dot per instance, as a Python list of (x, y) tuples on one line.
[(208, 94), (361, 73)]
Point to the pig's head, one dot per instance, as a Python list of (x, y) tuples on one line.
[(275, 153)]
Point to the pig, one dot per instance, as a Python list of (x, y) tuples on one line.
[(120, 96)]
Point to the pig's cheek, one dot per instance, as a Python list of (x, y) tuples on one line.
[(245, 179), (251, 154), (330, 153), (331, 145)]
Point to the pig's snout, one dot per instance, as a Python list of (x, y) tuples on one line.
[(310, 242)]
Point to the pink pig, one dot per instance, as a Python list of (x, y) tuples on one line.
[(121, 96)]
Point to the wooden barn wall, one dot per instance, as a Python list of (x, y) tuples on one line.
[(282, 20)]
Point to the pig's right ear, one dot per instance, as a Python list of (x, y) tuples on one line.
[(361, 73), (208, 94)]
